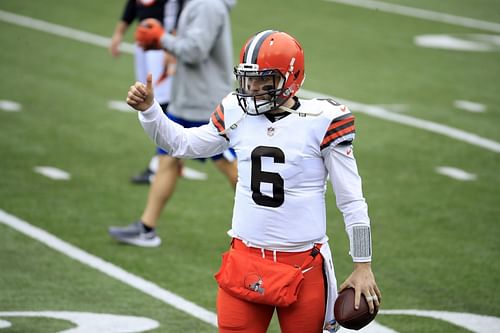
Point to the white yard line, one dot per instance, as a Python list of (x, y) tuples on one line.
[(59, 30), (109, 269), (422, 14), (374, 111)]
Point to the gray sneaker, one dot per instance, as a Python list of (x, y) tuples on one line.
[(135, 234)]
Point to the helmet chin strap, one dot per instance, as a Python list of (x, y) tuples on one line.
[(307, 113), (233, 126)]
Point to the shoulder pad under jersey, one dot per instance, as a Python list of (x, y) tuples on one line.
[(332, 108), (341, 129), (225, 114)]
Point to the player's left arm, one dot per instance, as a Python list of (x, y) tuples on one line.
[(346, 182)]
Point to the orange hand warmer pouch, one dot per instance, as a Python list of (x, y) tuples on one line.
[(255, 279)]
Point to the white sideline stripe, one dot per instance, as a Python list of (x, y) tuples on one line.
[(61, 31), (379, 112), (422, 14), (367, 109), (109, 269), (460, 42)]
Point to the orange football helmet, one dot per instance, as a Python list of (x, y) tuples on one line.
[(273, 57)]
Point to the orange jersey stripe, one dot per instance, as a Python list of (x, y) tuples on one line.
[(218, 118), (336, 124), (338, 127), (337, 134)]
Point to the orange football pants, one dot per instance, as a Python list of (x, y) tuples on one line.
[(306, 315)]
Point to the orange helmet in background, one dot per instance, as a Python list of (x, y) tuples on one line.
[(268, 54)]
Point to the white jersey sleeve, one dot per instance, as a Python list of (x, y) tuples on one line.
[(337, 150), (203, 141), (346, 183)]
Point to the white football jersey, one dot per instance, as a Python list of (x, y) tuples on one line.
[(282, 168)]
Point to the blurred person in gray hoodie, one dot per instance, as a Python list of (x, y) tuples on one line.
[(203, 49)]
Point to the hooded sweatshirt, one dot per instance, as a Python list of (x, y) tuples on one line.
[(204, 52)]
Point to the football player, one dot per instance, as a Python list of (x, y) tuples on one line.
[(285, 149)]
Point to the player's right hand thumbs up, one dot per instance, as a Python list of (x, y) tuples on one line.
[(141, 96)]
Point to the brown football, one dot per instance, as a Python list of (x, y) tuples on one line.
[(347, 316)]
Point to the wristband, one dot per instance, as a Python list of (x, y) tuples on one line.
[(360, 243)]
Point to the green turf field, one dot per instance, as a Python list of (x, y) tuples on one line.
[(436, 238)]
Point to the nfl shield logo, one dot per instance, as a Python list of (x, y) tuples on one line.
[(270, 131)]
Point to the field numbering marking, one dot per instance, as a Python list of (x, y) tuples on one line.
[(89, 322)]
